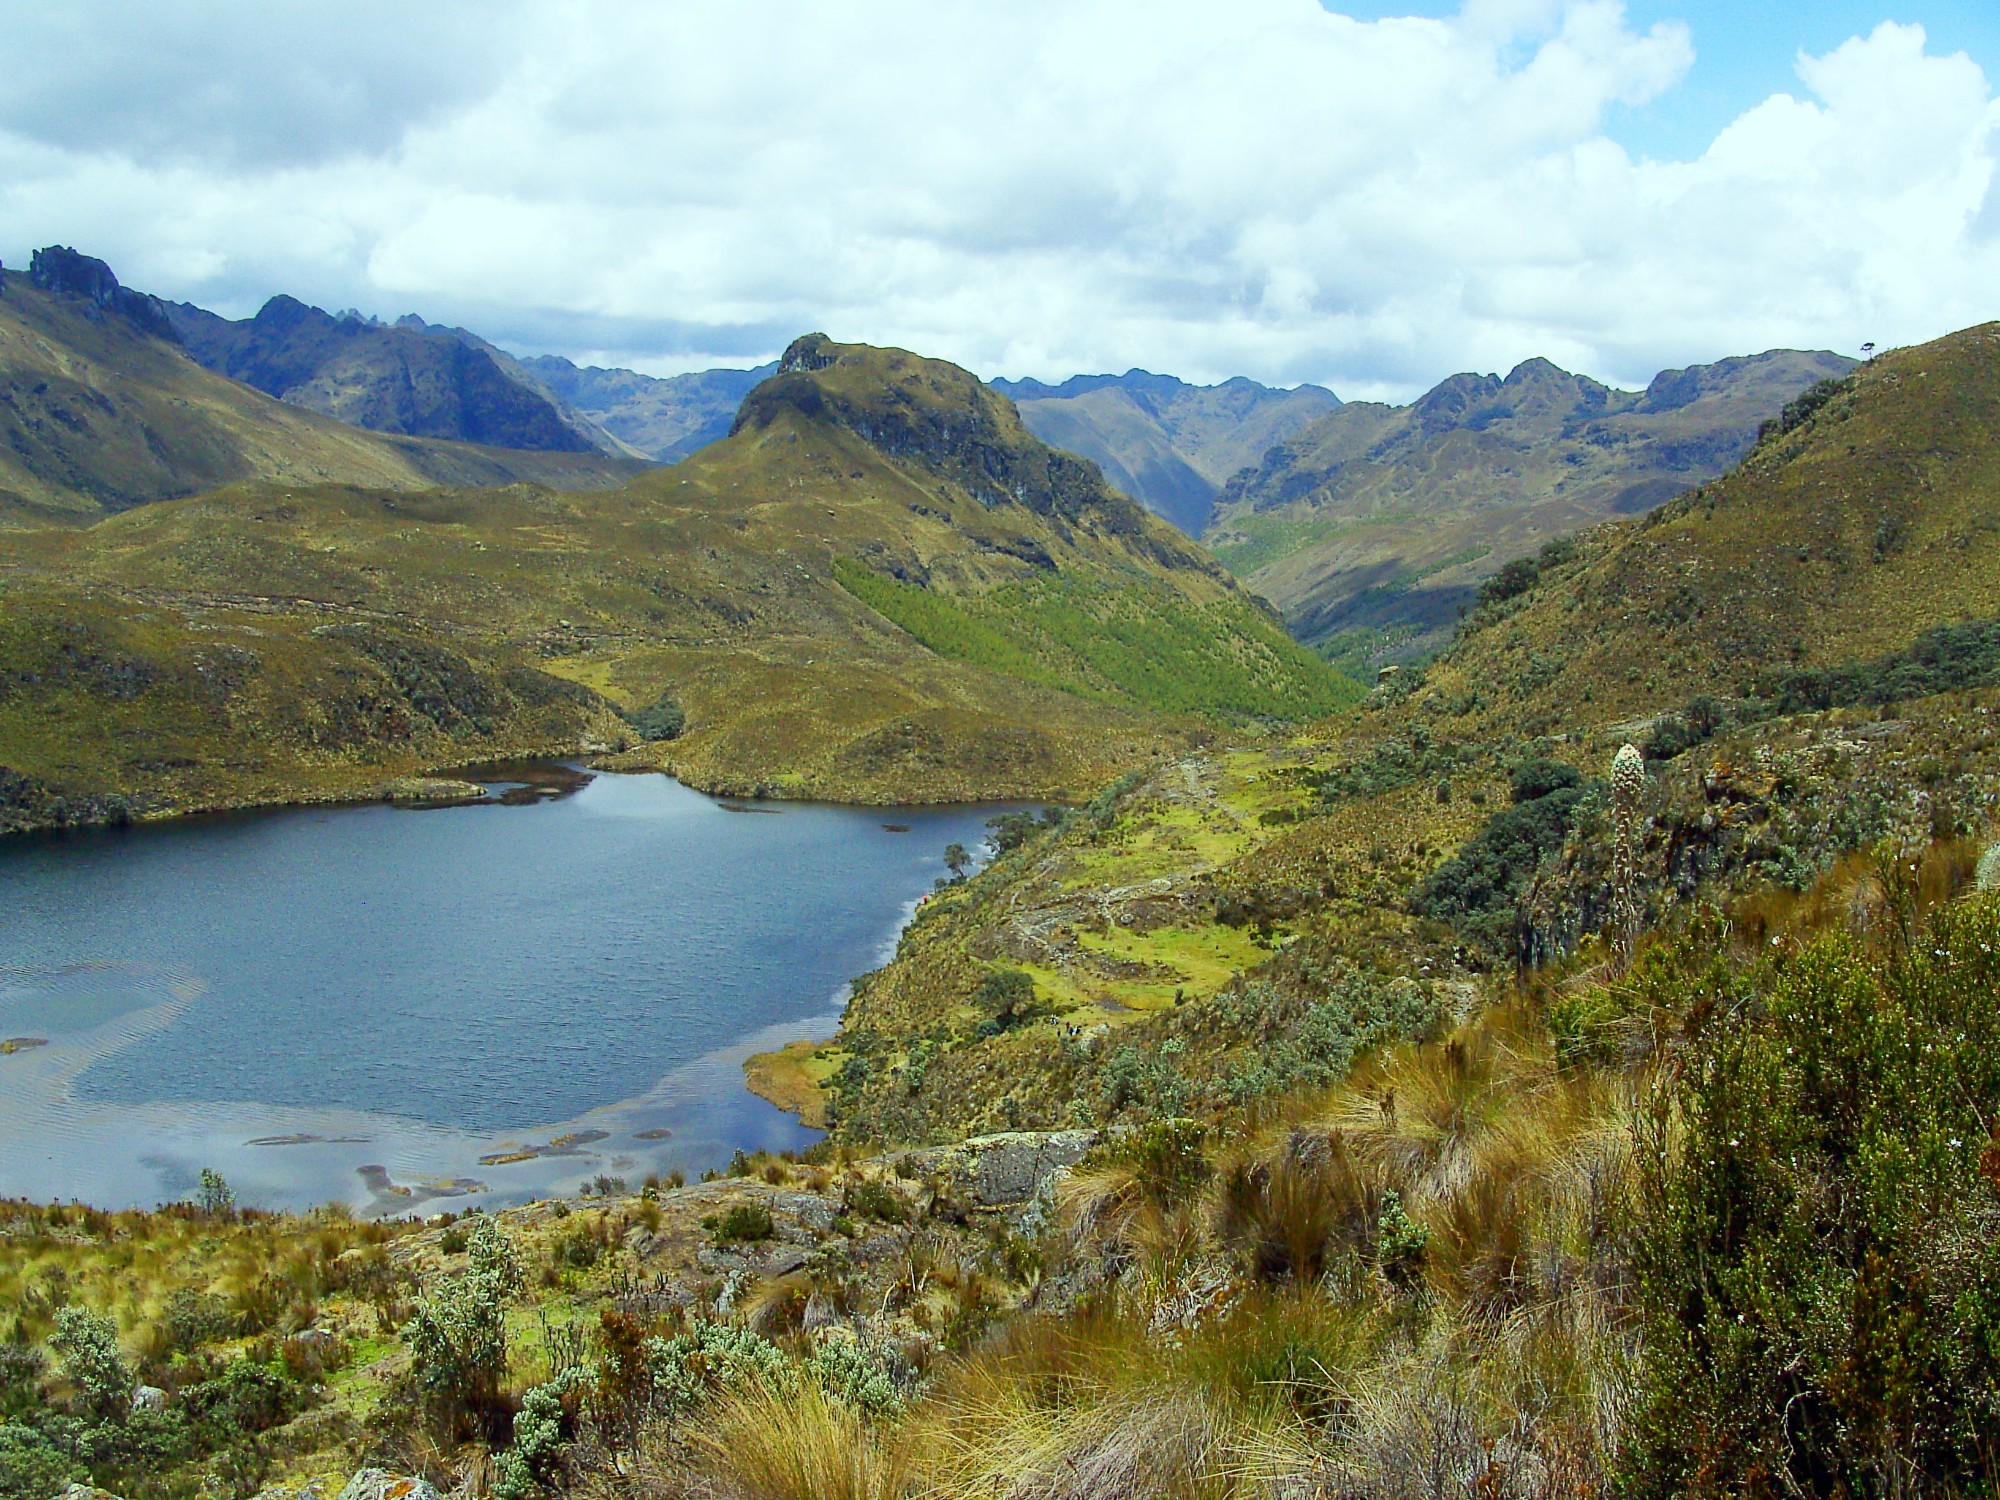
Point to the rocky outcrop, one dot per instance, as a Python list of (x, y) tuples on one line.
[(59, 269), (990, 1173), (807, 352), (380, 1484)]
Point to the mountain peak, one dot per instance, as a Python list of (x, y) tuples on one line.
[(933, 413), (65, 272)]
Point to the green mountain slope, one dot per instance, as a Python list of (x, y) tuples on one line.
[(1871, 520), (101, 410), (1169, 445), (408, 379), (268, 642), (661, 418), (1375, 525)]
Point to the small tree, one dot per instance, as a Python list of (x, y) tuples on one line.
[(215, 1198), (956, 860), (87, 1344)]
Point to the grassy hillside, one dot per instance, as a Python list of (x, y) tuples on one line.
[(1841, 540), (97, 414), (1169, 445), (1372, 527), (265, 641)]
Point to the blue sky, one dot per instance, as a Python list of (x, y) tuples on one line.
[(1271, 188), (1747, 50)]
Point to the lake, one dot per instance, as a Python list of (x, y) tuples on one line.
[(399, 1008)]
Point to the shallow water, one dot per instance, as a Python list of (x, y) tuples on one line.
[(391, 1007)]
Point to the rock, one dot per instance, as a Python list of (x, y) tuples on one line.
[(811, 1210), (311, 1338), (820, 1313), (783, 1261), (999, 1171), (807, 352), (380, 1484), (149, 1398), (59, 269), (85, 1492)]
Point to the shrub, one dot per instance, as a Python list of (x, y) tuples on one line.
[(32, 1467), (87, 1345), (743, 1221), (1478, 890), (1816, 1260), (533, 1460), (1167, 1159), (1009, 994), (663, 719), (877, 1200), (193, 1318)]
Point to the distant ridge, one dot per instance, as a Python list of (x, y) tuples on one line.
[(1373, 526), (664, 418), (407, 378), (1168, 444), (102, 409), (1861, 522)]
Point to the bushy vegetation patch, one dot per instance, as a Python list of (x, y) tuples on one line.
[(1130, 643), (1479, 889), (1818, 1261)]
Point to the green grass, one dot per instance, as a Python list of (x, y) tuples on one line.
[(1122, 643)]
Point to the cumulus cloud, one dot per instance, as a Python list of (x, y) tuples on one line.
[(1264, 187)]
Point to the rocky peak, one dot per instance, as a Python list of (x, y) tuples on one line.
[(808, 352), (59, 270)]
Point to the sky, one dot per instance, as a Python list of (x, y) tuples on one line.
[(1369, 196)]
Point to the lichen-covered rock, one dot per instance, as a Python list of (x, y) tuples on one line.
[(992, 1172), (380, 1484)]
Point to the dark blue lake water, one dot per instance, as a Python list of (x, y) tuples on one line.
[(389, 1007)]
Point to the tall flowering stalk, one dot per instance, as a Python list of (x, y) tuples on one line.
[(1628, 780)]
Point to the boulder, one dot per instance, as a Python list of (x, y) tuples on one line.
[(998, 1172), (149, 1398), (380, 1484)]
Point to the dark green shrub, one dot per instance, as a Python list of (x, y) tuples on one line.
[(660, 720), (1009, 997), (1478, 890), (743, 1221), (1815, 1259)]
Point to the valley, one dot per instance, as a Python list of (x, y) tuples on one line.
[(1328, 1076)]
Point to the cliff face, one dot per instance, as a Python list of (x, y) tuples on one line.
[(412, 381)]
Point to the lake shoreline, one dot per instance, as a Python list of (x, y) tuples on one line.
[(406, 996), (445, 785)]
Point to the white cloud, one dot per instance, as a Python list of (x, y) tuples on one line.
[(1260, 187)]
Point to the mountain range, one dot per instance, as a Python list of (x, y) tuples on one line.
[(1169, 445), (879, 586), (1374, 526), (101, 409)]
